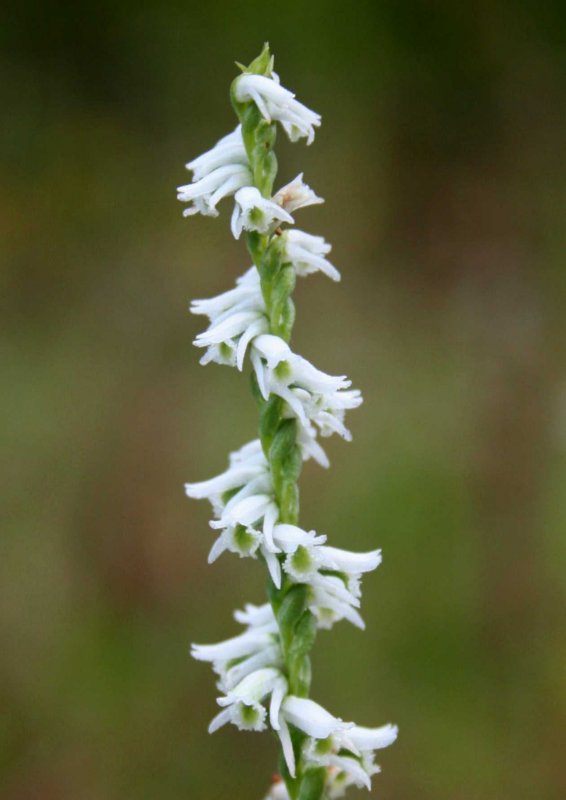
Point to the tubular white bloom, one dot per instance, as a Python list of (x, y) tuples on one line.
[(244, 296), (236, 316), (246, 644), (254, 509), (257, 648), (245, 465), (218, 173), (294, 370), (277, 103), (254, 687), (310, 448), (327, 410), (296, 194), (332, 600), (270, 656), (333, 597), (311, 395), (309, 717), (248, 507), (306, 254), (206, 193), (228, 150), (242, 704), (253, 212), (289, 537), (247, 517), (358, 766)]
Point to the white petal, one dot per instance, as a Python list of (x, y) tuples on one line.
[(220, 546), (273, 349), (253, 687), (243, 645), (219, 720), (346, 561), (277, 697), (255, 329), (286, 745), (231, 479), (353, 768), (268, 657), (289, 537), (373, 738), (247, 511), (296, 194), (310, 717), (255, 615), (273, 566), (269, 520), (259, 371)]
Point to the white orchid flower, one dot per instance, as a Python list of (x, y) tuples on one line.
[(253, 212), (277, 103)]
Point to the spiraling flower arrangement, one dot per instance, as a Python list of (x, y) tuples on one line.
[(265, 672)]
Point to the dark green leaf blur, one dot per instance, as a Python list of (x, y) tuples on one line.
[(441, 158)]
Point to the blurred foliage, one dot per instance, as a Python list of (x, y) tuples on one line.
[(441, 161)]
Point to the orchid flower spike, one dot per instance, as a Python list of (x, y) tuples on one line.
[(263, 672)]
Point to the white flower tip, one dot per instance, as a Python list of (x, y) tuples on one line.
[(358, 622), (393, 731)]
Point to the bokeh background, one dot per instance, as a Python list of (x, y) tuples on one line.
[(442, 160)]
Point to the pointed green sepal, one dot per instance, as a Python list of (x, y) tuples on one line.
[(282, 308), (291, 610), (313, 784), (269, 419), (298, 659), (262, 64)]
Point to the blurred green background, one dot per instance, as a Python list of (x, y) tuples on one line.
[(441, 157)]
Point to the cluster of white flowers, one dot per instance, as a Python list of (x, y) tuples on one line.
[(255, 689), (246, 513), (253, 674), (225, 170)]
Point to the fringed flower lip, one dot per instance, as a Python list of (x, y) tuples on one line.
[(253, 212)]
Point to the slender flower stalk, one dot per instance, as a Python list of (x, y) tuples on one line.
[(265, 671)]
